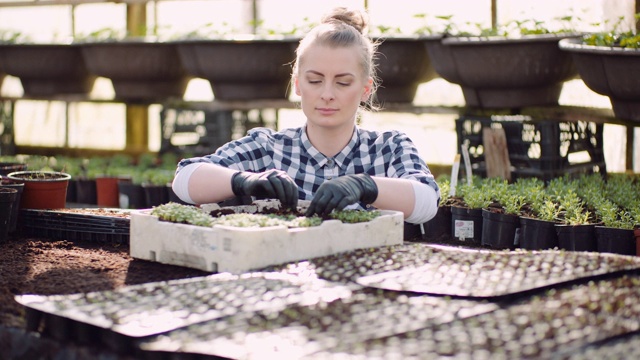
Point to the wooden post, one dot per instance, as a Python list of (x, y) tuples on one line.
[(496, 153), (494, 14), (137, 115), (631, 129)]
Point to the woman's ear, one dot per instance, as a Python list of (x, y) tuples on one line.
[(368, 87), (296, 87)]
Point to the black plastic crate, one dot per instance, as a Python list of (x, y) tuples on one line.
[(537, 148)]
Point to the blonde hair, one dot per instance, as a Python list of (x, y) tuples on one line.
[(343, 27)]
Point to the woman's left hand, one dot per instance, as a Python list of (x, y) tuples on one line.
[(337, 193)]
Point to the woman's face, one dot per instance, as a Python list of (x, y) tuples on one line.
[(331, 85)]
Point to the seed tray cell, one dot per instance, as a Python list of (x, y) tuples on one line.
[(549, 326), (152, 308), (448, 271), (302, 330)]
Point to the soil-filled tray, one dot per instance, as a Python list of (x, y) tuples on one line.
[(298, 331), (555, 324), (104, 225), (449, 271), (116, 317)]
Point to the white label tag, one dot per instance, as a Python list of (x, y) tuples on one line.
[(463, 229)]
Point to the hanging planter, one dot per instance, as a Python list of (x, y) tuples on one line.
[(500, 72), (243, 68), (612, 71), (47, 69), (138, 69), (403, 64), (42, 189)]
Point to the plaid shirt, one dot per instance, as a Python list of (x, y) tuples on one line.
[(389, 154)]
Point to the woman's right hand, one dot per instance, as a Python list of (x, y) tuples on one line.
[(269, 184)]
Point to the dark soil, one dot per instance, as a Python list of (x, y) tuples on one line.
[(45, 267)]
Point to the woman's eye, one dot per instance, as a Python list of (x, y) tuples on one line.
[(344, 84), (314, 81)]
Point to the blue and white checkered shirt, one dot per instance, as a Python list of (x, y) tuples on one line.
[(390, 154)]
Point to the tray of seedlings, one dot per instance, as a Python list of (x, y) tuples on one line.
[(99, 225), (433, 270), (301, 330), (243, 238), (556, 324), (115, 318)]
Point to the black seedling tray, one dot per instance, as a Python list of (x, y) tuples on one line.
[(116, 317), (494, 274), (298, 331), (76, 226), (557, 324), (446, 271)]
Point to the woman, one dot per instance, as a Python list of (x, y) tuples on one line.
[(329, 160)]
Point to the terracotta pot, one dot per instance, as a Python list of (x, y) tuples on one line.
[(7, 198), (42, 189), (577, 237), (499, 230), (107, 192), (498, 72), (47, 69)]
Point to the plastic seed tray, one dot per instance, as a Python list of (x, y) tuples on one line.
[(299, 331), (555, 325), (103, 225), (240, 249), (117, 317), (440, 270)]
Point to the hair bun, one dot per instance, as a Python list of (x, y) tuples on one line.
[(352, 17)]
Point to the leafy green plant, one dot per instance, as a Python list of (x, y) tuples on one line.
[(615, 38)]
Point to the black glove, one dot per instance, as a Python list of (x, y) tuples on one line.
[(269, 184), (340, 192)]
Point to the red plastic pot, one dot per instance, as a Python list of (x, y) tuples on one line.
[(42, 189)]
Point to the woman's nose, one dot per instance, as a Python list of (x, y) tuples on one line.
[(327, 92)]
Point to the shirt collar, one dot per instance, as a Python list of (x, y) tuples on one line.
[(340, 159)]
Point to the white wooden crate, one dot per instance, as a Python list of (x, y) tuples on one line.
[(236, 250)]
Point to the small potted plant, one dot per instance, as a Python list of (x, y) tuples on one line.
[(42, 189), (466, 218), (501, 217)]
